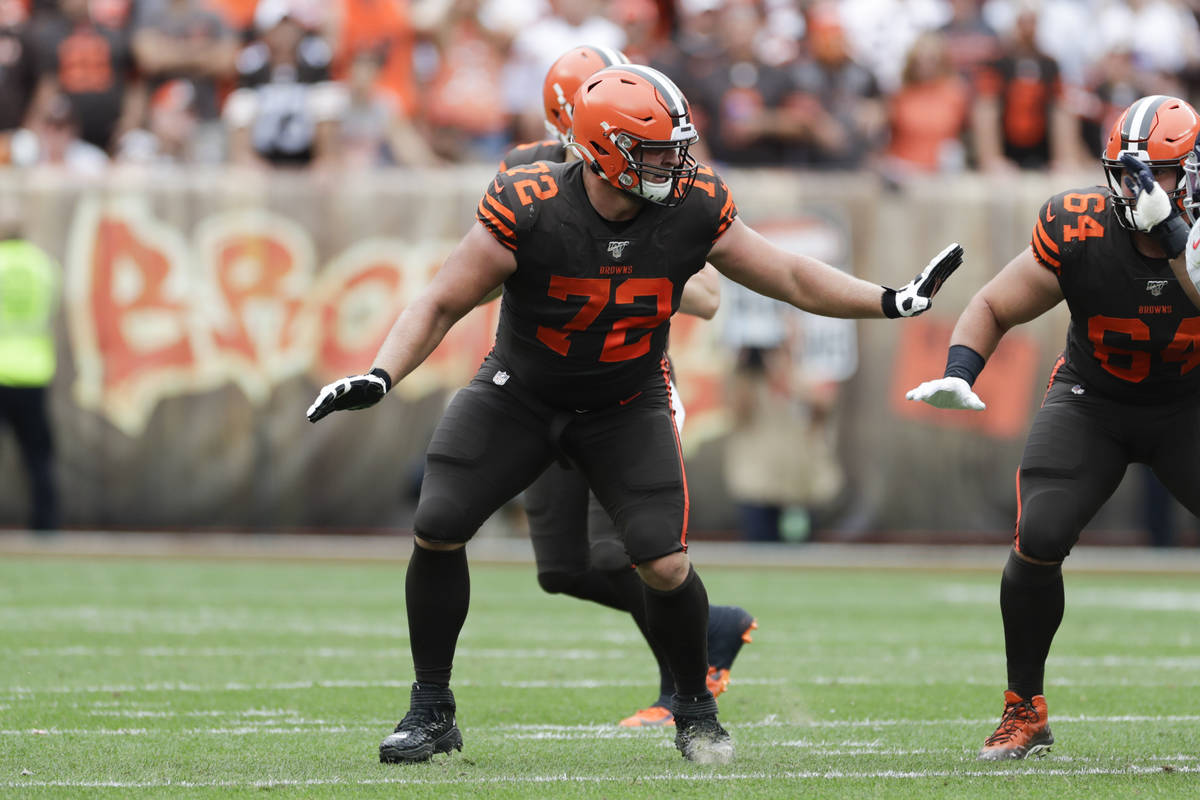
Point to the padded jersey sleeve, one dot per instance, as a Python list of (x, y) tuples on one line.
[(543, 150), (1070, 224), (497, 211), (716, 199), (1046, 240)]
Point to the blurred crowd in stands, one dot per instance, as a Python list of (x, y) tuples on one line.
[(899, 87), (902, 87)]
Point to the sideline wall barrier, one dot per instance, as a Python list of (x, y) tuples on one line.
[(202, 310)]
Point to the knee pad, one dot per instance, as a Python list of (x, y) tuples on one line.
[(1049, 525), (440, 519), (609, 556)]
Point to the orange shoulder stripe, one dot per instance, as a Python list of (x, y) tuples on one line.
[(501, 209), (1044, 257), (1050, 243), (493, 222), (727, 209)]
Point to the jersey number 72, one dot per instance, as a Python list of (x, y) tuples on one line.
[(597, 293)]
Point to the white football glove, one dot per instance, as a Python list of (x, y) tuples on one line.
[(916, 296), (1151, 205), (348, 394), (947, 393)]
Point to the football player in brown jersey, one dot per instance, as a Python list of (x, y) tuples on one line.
[(1124, 390), (593, 256), (576, 546)]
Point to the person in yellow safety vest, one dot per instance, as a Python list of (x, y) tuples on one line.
[(29, 287)]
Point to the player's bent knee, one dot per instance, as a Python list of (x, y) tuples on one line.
[(1049, 525), (666, 572), (555, 582), (427, 544), (441, 520), (609, 556)]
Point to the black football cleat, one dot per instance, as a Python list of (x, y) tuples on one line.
[(698, 735), (426, 729)]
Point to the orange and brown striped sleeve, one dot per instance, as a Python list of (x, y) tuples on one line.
[(496, 215), (728, 212), (1044, 242)]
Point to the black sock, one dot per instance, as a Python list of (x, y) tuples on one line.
[(437, 590), (1031, 602), (592, 585), (677, 621), (626, 583)]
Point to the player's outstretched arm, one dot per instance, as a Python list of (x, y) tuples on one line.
[(812, 285), (477, 266), (1187, 267), (1021, 291), (701, 296)]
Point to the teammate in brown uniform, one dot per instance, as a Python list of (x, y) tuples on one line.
[(593, 256), (576, 546), (1123, 391)]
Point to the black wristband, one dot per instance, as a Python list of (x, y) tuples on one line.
[(382, 373), (888, 303), (1171, 234), (963, 362)]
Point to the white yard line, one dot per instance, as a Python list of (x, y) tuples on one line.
[(17, 692), (1000, 770), (1115, 597), (573, 654), (291, 725), (165, 651)]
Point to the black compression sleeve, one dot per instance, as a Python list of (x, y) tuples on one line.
[(963, 362), (1172, 235)]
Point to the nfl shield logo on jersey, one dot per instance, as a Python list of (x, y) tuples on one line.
[(1155, 287), (615, 249)]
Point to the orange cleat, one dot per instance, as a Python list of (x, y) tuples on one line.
[(1024, 730), (717, 680), (652, 717)]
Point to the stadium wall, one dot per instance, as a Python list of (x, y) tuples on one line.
[(202, 310)]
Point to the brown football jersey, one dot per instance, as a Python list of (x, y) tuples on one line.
[(1134, 334), (585, 317)]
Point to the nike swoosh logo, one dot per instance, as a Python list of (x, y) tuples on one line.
[(630, 399), (496, 185), (1049, 217), (1196, 244)]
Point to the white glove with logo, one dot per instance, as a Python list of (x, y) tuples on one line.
[(1151, 204), (352, 393), (947, 393), (916, 296)]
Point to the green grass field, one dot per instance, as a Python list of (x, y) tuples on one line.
[(168, 678)]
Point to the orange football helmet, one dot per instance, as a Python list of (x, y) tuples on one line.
[(563, 79), (625, 113), (1161, 131)]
